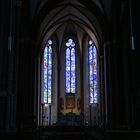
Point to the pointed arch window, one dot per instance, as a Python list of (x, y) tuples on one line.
[(70, 56), (47, 73), (93, 78)]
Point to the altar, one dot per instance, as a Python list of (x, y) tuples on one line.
[(71, 119)]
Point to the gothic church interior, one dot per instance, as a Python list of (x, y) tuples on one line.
[(72, 65)]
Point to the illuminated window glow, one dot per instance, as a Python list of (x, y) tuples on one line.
[(93, 82), (70, 67), (47, 74)]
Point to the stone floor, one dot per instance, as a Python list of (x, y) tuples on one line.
[(72, 133)]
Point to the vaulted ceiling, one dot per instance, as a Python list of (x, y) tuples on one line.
[(60, 16), (70, 16), (103, 5)]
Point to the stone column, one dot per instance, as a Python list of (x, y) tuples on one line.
[(50, 107), (110, 83)]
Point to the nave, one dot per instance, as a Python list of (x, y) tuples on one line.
[(69, 69)]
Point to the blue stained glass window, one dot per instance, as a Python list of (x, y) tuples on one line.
[(93, 83), (47, 74), (70, 66)]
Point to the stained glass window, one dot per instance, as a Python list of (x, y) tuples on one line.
[(70, 66), (93, 82), (47, 74)]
